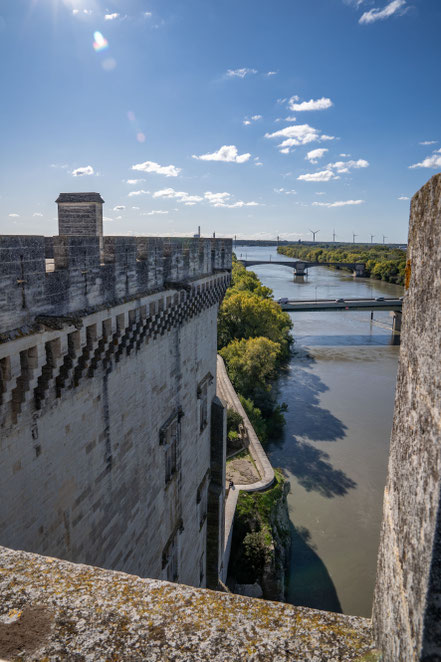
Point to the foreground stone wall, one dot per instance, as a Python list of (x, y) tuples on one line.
[(407, 606), (54, 610)]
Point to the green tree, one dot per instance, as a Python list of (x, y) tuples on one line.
[(245, 315), (251, 363)]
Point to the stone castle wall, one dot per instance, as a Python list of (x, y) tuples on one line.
[(407, 612), (89, 272), (107, 378)]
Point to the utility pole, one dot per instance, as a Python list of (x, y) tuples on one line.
[(333, 235), (353, 237), (314, 232), (372, 236), (384, 237)]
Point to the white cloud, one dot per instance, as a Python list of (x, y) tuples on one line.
[(147, 14), (320, 193), (285, 191), (75, 11), (81, 172), (357, 3), (14, 215), (258, 163), (111, 17), (151, 166), (119, 207), (340, 203), (154, 212), (271, 73), (181, 196), (344, 156), (86, 12), (239, 203), (254, 118), (429, 162), (136, 208), (297, 134), (240, 73), (429, 142), (347, 166), (403, 197), (215, 198), (133, 182), (315, 154), (317, 104), (108, 219), (380, 14), (322, 176), (140, 192), (37, 213), (290, 118), (226, 153)]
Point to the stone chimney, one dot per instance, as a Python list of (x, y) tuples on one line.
[(80, 214)]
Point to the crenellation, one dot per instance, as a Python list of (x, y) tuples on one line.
[(84, 278)]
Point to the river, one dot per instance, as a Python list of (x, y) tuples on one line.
[(339, 387)]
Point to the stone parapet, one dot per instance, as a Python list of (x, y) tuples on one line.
[(407, 614), (92, 272), (56, 610), (226, 392)]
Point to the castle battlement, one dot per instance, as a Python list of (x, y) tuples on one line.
[(113, 440), (68, 274)]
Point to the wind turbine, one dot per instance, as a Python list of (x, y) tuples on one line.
[(384, 237), (353, 237), (333, 235), (314, 232), (372, 236)]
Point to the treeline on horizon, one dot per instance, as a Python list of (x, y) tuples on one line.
[(381, 262), (254, 340)]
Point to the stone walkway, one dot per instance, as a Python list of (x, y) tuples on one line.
[(228, 395)]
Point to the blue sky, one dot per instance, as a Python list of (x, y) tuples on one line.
[(247, 118)]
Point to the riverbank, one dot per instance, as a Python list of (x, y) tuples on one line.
[(380, 262), (257, 540), (339, 387)]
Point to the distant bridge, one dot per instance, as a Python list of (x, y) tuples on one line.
[(300, 267), (393, 304)]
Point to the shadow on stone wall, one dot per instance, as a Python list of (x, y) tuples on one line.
[(309, 583)]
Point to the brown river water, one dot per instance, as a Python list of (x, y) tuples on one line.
[(339, 387)]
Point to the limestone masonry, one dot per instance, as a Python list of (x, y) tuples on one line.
[(111, 435), (113, 453)]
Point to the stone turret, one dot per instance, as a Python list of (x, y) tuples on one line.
[(80, 214)]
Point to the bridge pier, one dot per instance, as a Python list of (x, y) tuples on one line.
[(396, 322), (359, 271), (300, 269)]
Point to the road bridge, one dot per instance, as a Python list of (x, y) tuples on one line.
[(300, 267), (392, 304)]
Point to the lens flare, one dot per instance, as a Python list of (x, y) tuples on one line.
[(100, 43)]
